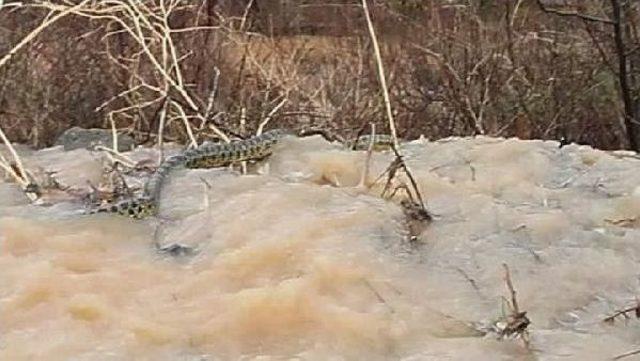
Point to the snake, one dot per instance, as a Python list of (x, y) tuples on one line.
[(210, 155)]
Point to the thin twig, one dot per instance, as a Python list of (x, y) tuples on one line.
[(9, 170), (574, 14), (270, 115), (163, 116), (185, 121), (116, 156), (391, 171), (624, 312), (414, 184), (243, 20), (626, 354), (114, 133), (243, 129), (516, 322), (383, 80), (219, 133), (243, 120), (212, 94), (512, 291), (20, 176), (117, 96), (38, 30)]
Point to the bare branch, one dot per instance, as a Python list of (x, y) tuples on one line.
[(383, 80), (574, 14), (212, 94), (185, 121), (38, 30), (270, 115), (512, 291), (635, 309), (626, 354), (19, 173)]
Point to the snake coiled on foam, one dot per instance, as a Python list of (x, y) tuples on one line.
[(210, 155)]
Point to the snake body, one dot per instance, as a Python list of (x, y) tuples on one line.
[(209, 155), (379, 142)]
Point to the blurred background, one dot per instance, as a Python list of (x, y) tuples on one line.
[(524, 68)]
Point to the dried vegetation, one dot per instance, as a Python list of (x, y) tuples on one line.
[(453, 68)]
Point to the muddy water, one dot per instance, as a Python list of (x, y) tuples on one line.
[(295, 261)]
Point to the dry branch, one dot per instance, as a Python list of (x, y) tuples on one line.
[(635, 309), (383, 80), (45, 24), (212, 94), (114, 133), (115, 156), (516, 322), (18, 172), (270, 115), (626, 354), (574, 14), (155, 48), (185, 121)]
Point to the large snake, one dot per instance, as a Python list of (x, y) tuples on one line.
[(210, 155)]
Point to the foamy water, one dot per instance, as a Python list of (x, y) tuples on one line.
[(296, 261)]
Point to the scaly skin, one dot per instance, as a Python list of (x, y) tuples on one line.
[(210, 155), (206, 156), (380, 142)]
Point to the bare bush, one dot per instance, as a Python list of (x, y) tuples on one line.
[(199, 69)]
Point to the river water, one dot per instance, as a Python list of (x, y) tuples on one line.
[(297, 260)]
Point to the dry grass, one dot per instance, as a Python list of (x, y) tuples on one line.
[(177, 70)]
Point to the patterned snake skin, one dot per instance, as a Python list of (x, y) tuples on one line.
[(210, 155)]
